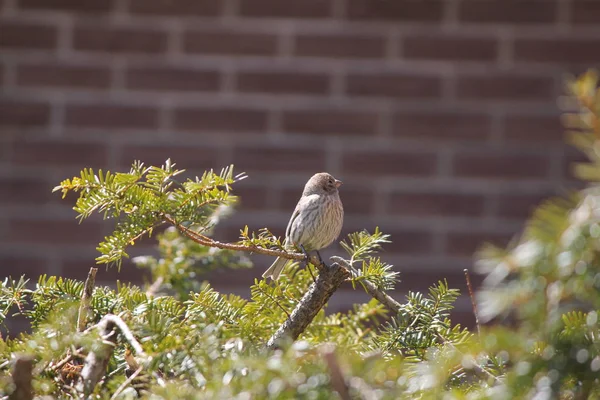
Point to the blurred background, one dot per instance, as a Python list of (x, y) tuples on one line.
[(441, 117)]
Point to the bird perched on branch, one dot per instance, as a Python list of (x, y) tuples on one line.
[(315, 223)]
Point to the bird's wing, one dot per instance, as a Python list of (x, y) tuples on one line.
[(289, 225), (304, 204)]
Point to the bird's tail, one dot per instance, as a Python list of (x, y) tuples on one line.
[(275, 269)]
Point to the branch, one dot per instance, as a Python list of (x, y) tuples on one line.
[(127, 334), (21, 377), (373, 290), (97, 359), (206, 241), (328, 281), (84, 306)]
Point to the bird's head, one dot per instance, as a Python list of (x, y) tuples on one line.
[(321, 183)]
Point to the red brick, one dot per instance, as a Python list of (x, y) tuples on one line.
[(507, 11), (172, 79), (359, 201), (17, 265), (393, 85), (251, 197), (281, 9), (86, 6), (23, 113), (338, 46), (442, 125), (45, 153), (585, 12), (436, 203), (519, 206), (78, 269), (220, 119), (561, 50), (58, 75), (271, 158), (52, 232), (25, 35), (397, 10), (119, 40), (408, 241), (289, 198), (182, 8), (451, 48), (221, 42), (509, 87), (24, 191), (467, 243), (377, 163), (330, 122), (282, 82), (533, 128), (507, 166), (186, 157), (111, 116), (421, 279)]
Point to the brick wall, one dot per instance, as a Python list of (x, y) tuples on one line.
[(440, 116)]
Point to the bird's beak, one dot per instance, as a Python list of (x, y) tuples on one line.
[(338, 183)]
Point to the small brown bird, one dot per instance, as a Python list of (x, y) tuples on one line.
[(316, 221)]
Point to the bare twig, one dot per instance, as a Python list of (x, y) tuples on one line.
[(373, 290), (127, 382), (338, 382), (328, 281), (274, 300), (205, 240), (86, 298), (473, 303), (21, 377)]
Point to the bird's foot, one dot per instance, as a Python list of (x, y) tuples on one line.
[(307, 263), (321, 259)]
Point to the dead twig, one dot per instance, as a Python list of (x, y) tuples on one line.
[(86, 298), (473, 303)]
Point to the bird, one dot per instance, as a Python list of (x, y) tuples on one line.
[(316, 221)]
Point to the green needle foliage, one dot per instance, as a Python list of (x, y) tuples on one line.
[(201, 344), (141, 199)]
